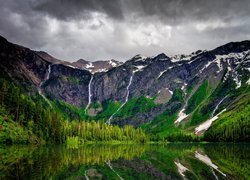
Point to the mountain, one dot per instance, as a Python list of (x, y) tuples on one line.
[(164, 95), (93, 67)]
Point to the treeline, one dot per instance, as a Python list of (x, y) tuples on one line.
[(176, 137), (98, 131), (37, 118)]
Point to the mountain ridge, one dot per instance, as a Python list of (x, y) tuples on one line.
[(143, 91)]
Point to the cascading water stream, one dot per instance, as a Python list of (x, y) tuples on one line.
[(43, 82), (47, 77), (126, 99), (205, 125), (90, 95), (217, 106)]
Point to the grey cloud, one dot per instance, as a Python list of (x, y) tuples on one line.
[(169, 11), (66, 10), (105, 29)]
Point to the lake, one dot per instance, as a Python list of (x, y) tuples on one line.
[(170, 161)]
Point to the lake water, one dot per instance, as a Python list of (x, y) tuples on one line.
[(171, 161)]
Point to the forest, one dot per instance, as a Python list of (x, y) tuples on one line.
[(31, 119)]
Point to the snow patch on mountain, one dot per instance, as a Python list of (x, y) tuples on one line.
[(248, 81), (112, 63), (101, 70), (163, 59), (237, 81), (162, 72), (139, 57), (218, 60), (206, 66), (229, 58), (204, 126), (72, 66), (139, 68), (181, 116), (171, 92), (184, 88), (180, 57), (90, 65)]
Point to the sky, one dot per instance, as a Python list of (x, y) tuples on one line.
[(120, 29)]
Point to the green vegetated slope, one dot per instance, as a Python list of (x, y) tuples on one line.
[(234, 124), (107, 109), (13, 132), (210, 98), (196, 102), (34, 119), (162, 127), (132, 107), (136, 105)]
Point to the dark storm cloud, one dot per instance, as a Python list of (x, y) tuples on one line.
[(103, 29), (170, 11), (179, 10), (67, 9)]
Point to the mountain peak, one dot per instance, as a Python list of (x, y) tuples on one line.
[(161, 56), (232, 47)]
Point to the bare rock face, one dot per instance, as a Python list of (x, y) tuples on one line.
[(94, 111), (82, 82), (21, 64), (163, 97), (68, 84)]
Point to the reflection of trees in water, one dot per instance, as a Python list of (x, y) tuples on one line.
[(99, 154), (23, 161), (232, 158), (59, 161), (11, 159)]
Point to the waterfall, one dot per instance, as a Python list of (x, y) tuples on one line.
[(47, 76), (130, 81), (90, 95), (217, 106), (42, 83), (126, 99)]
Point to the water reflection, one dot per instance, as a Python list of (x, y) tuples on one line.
[(172, 161)]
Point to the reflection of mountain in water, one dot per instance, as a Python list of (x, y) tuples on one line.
[(172, 161)]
